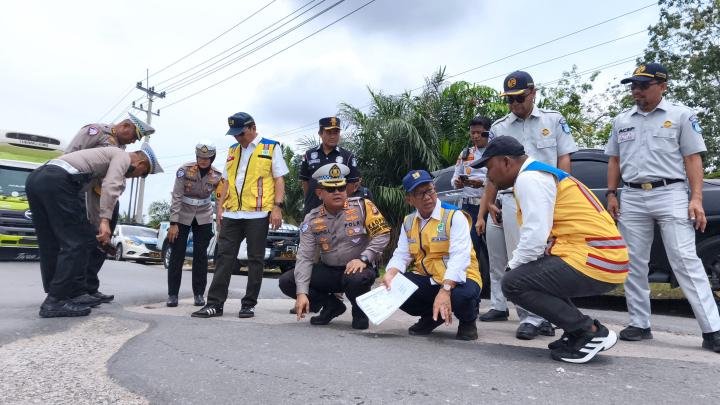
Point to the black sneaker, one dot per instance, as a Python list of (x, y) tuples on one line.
[(565, 340), (246, 312), (359, 319), (424, 326), (467, 331), (711, 341), (633, 334), (526, 331), (105, 298), (199, 300), (172, 301), (546, 329), (208, 311), (586, 345), (332, 309), (86, 300), (494, 315), (54, 308)]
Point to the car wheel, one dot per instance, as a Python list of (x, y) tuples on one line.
[(119, 253), (166, 252), (709, 253)]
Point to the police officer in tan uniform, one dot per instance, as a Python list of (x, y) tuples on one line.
[(65, 235), (350, 234), (192, 208), (90, 136)]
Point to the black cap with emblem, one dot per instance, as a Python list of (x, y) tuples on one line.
[(646, 73), (329, 123), (237, 123), (517, 82)]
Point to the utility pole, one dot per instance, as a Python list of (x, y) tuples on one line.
[(151, 94)]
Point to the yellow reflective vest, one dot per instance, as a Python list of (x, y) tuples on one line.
[(258, 189), (430, 246), (583, 233)]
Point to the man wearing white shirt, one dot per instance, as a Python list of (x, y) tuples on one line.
[(436, 240), (252, 196), (586, 255)]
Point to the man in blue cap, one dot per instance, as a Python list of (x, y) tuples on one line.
[(251, 198), (656, 147), (545, 134), (65, 235), (436, 240)]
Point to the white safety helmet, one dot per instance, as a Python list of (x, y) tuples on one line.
[(205, 149)]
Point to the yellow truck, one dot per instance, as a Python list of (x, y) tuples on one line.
[(20, 154)]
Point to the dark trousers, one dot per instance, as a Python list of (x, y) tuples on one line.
[(464, 298), (473, 210), (201, 240), (328, 280), (65, 236), (98, 256), (545, 286), (232, 232)]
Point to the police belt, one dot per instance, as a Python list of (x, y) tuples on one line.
[(64, 165), (471, 200), (654, 184), (196, 201)]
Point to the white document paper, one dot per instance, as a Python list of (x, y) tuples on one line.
[(379, 303)]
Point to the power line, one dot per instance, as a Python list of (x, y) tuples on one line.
[(214, 39), (271, 56), (116, 104), (179, 84), (243, 41)]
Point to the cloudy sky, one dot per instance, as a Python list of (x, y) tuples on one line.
[(67, 64)]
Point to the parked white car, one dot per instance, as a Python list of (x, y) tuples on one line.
[(136, 243)]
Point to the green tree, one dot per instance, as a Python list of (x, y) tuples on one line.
[(158, 211), (293, 188), (686, 40)]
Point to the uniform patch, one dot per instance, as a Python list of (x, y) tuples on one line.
[(625, 136), (355, 240), (304, 227), (545, 132), (441, 227), (180, 173), (667, 124), (92, 131), (695, 124), (313, 155), (339, 159), (564, 125), (313, 161), (230, 158)]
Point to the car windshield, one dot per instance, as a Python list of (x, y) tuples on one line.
[(139, 231), (12, 181)]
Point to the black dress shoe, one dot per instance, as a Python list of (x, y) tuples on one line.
[(494, 315), (199, 300), (86, 300), (172, 301), (208, 311), (54, 308), (359, 319), (332, 309), (634, 334), (246, 312), (467, 331), (105, 298), (526, 331), (546, 329), (711, 341), (424, 326)]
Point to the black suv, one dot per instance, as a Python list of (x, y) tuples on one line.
[(590, 167)]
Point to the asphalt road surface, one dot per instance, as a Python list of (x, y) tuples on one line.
[(138, 351)]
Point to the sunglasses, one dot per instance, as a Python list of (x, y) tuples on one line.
[(642, 85), (338, 189), (422, 194), (520, 98)]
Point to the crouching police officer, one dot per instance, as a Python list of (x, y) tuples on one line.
[(65, 236), (350, 234), (436, 239), (192, 208)]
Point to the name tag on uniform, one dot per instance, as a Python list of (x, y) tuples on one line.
[(626, 136)]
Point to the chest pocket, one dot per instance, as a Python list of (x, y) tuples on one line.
[(664, 140), (439, 245), (546, 143)]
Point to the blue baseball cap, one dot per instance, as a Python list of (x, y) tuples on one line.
[(415, 178), (237, 123)]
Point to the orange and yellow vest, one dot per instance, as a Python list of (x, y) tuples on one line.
[(258, 189), (430, 246), (583, 234)]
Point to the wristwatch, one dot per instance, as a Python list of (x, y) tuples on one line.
[(365, 260), (280, 205), (447, 287), (613, 192)]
